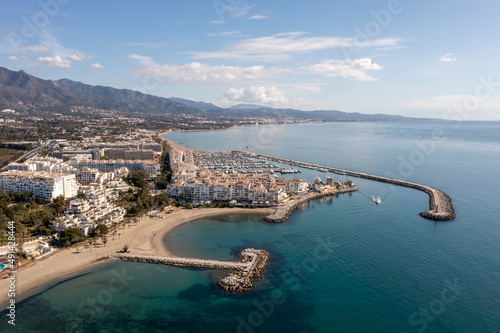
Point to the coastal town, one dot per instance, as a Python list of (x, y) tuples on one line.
[(91, 178), (99, 187)]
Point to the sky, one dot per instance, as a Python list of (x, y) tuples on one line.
[(415, 58)]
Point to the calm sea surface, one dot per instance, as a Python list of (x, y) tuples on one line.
[(340, 264)]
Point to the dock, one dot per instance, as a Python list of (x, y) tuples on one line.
[(251, 266), (440, 205)]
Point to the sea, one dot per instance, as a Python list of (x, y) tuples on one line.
[(339, 264)]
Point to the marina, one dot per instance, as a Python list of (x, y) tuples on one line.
[(440, 205)]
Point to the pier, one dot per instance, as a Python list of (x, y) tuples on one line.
[(251, 266), (440, 206)]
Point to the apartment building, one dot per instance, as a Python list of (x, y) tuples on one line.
[(41, 183), (86, 214), (131, 154), (152, 167)]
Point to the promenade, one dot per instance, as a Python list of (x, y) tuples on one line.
[(440, 205)]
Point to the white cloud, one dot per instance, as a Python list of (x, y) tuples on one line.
[(77, 56), (143, 60), (283, 45), (269, 96), (34, 48), (349, 69), (56, 61), (447, 58), (258, 17), (60, 56), (96, 65), (62, 61), (198, 72), (216, 22), (12, 58)]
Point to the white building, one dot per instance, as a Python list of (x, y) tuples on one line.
[(70, 185), (86, 214), (42, 184), (294, 186), (87, 175), (152, 167), (225, 190)]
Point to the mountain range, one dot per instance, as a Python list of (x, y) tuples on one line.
[(22, 91)]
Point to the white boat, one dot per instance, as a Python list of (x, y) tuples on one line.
[(376, 199)]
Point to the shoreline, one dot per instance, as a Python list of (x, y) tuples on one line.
[(146, 238)]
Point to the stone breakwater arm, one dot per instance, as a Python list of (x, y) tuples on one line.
[(253, 262), (440, 205), (282, 213)]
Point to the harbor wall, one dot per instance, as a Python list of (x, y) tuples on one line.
[(282, 213), (253, 263), (440, 204)]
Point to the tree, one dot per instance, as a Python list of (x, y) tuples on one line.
[(91, 241), (101, 229), (59, 204), (70, 235), (104, 240), (20, 250), (138, 178)]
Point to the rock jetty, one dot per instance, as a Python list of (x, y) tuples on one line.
[(253, 262), (440, 205), (282, 213), (244, 280)]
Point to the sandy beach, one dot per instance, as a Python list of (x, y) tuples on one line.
[(146, 238), (174, 144)]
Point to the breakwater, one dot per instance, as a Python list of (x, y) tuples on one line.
[(440, 205), (251, 266), (282, 213)]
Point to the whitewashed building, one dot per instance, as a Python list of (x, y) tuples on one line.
[(42, 184)]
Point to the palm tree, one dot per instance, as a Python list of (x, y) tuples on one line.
[(104, 240), (91, 241), (114, 234), (119, 234)]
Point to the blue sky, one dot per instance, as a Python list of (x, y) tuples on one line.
[(416, 58)]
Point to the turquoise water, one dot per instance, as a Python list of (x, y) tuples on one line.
[(339, 264), (1, 266)]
